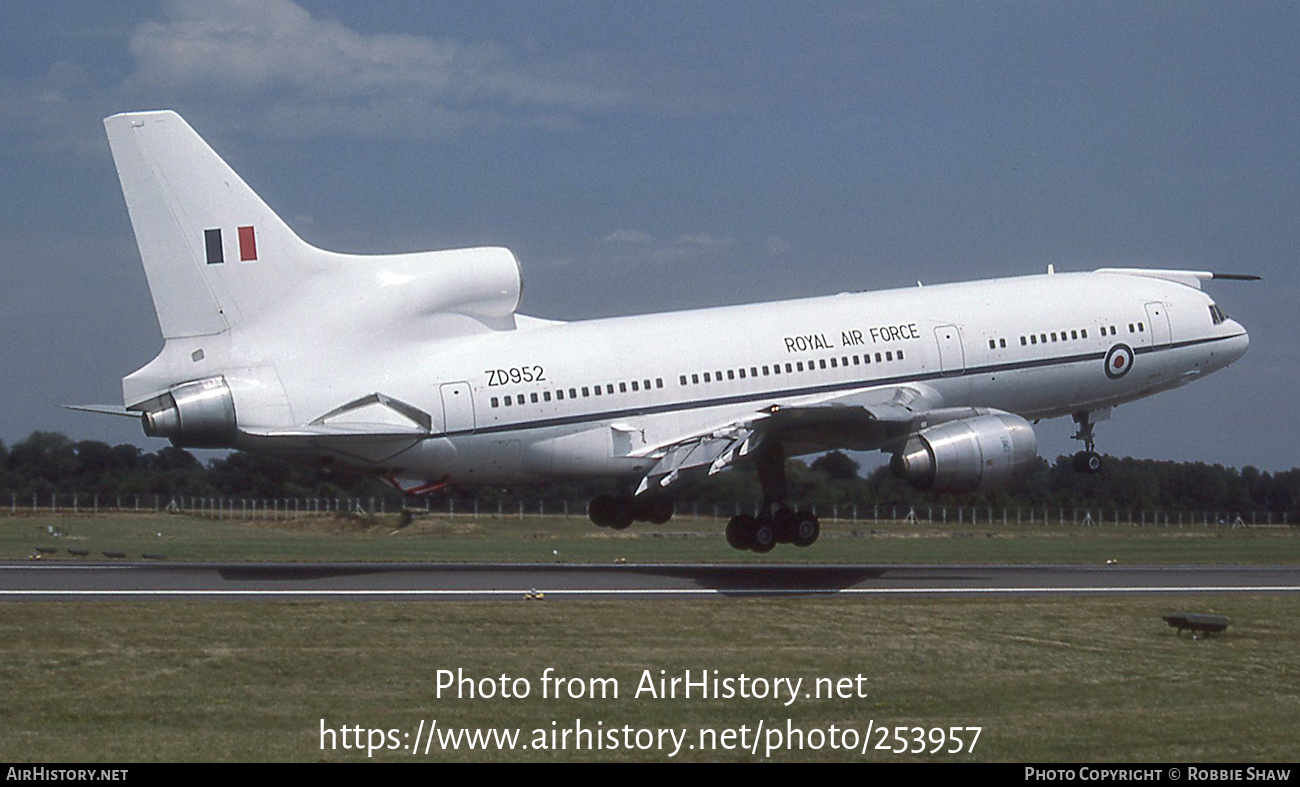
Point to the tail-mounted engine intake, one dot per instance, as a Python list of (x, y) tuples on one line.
[(967, 455), (200, 414)]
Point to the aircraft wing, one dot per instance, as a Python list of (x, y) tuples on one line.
[(859, 420)]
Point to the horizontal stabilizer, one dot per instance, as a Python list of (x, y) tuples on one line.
[(103, 409)]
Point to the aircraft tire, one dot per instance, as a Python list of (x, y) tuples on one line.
[(806, 529), (601, 510), (740, 531), (1087, 461), (624, 513), (764, 537), (655, 509), (783, 519)]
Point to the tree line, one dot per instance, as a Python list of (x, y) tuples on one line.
[(49, 463)]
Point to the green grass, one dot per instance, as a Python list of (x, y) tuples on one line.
[(573, 539), (1054, 680)]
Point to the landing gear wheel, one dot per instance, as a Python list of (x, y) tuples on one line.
[(740, 531), (764, 537), (624, 513), (806, 529), (1087, 461), (601, 510), (611, 511), (656, 510), (783, 519)]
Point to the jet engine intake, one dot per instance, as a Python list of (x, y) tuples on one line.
[(967, 455), (199, 414)]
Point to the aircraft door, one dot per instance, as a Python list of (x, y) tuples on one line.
[(952, 358), (457, 408), (1158, 318)]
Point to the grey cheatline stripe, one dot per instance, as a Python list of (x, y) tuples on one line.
[(678, 591), (765, 396)]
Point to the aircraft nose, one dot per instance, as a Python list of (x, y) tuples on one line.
[(1237, 345)]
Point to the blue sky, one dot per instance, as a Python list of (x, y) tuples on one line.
[(656, 156)]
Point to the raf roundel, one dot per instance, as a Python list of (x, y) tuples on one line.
[(1118, 361)]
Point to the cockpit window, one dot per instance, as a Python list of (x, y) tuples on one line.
[(1216, 314)]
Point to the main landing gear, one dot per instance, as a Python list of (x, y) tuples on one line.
[(776, 522), (618, 512), (1087, 460)]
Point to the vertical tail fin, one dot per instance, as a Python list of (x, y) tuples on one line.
[(245, 304), (214, 253)]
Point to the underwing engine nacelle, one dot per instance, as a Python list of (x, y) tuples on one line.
[(968, 454), (198, 414)]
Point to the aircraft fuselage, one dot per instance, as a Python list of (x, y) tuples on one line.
[(583, 398)]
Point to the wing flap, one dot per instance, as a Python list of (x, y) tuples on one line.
[(861, 419), (716, 449)]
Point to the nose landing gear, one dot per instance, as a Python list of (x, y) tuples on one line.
[(1087, 460)]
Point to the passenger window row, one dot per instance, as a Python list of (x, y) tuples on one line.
[(1074, 334), (789, 367), (697, 378), (1068, 336), (586, 391)]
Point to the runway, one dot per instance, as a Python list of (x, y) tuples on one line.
[(440, 581)]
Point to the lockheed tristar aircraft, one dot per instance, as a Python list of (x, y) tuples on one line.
[(417, 368)]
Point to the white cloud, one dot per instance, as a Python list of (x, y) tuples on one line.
[(56, 113), (628, 236), (704, 241), (302, 75), (635, 248), (776, 247), (272, 68)]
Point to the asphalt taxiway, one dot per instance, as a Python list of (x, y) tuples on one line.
[(64, 580)]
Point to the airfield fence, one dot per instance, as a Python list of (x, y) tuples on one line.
[(290, 508)]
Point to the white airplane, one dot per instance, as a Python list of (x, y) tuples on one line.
[(417, 368)]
